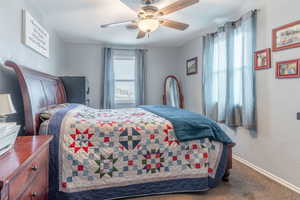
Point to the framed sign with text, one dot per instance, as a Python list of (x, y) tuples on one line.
[(34, 35)]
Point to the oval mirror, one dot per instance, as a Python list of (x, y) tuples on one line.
[(172, 92)]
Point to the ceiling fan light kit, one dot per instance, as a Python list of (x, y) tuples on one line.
[(148, 25), (149, 19)]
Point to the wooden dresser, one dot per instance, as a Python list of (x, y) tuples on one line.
[(24, 170)]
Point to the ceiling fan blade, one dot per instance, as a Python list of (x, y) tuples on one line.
[(133, 5), (140, 35), (116, 23), (181, 4), (174, 24), (132, 26)]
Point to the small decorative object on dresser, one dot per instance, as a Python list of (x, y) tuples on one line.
[(6, 107), (288, 69), (287, 36), (192, 66), (24, 171), (262, 59)]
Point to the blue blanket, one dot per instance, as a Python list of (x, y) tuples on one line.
[(188, 125)]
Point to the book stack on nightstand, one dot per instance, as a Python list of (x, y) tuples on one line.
[(8, 135)]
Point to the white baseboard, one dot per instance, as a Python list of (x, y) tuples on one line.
[(268, 174)]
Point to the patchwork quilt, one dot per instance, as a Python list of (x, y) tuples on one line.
[(94, 150)]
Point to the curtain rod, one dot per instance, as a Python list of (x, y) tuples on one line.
[(121, 49), (236, 21)]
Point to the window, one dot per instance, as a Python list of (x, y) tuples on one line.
[(124, 78), (125, 83), (220, 68), (238, 67)]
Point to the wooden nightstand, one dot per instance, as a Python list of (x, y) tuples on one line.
[(24, 170)]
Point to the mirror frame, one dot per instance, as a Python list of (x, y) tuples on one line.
[(181, 99)]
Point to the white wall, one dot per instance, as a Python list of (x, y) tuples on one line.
[(12, 48), (86, 60), (275, 147), (160, 63), (192, 84)]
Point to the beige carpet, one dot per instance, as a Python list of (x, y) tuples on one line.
[(245, 184)]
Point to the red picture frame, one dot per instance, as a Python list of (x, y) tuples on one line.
[(287, 37), (259, 62), (288, 69)]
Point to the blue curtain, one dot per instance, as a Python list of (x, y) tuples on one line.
[(209, 105), (108, 89), (232, 116), (228, 74), (248, 30), (140, 76)]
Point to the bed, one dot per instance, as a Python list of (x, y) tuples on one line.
[(110, 154)]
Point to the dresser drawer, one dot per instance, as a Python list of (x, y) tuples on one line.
[(37, 167), (38, 190)]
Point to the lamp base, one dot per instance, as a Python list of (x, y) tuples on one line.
[(3, 119)]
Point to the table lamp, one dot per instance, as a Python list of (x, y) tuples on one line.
[(6, 107)]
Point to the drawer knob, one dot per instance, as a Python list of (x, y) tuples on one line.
[(34, 168), (34, 194)]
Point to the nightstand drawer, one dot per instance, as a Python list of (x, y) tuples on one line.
[(38, 190), (36, 169)]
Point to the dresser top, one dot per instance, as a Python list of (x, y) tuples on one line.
[(25, 148)]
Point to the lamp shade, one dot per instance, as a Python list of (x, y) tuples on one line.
[(6, 105), (148, 25)]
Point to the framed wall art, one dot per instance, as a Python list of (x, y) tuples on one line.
[(288, 69), (192, 66), (262, 59), (286, 37), (34, 35)]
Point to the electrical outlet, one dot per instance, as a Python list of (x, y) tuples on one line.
[(298, 116)]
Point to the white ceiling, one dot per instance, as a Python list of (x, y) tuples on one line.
[(80, 20)]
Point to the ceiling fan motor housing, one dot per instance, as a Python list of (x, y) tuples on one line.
[(149, 10), (149, 2)]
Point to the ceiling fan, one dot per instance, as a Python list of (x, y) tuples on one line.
[(149, 17)]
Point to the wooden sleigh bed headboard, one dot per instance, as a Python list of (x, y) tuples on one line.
[(39, 92)]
